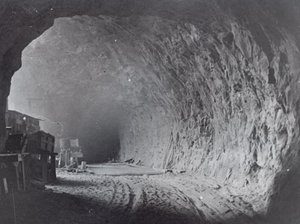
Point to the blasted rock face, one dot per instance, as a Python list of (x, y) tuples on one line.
[(214, 85)]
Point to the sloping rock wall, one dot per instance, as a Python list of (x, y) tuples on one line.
[(210, 86)]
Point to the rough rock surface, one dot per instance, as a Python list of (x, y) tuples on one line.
[(208, 86)]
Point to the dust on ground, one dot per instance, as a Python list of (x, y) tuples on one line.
[(166, 198), (126, 196)]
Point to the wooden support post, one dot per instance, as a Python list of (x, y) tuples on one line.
[(53, 167), (16, 164), (67, 159), (5, 185), (24, 174), (44, 161)]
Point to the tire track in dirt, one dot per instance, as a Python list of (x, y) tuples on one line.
[(114, 190), (129, 206), (153, 203), (158, 199)]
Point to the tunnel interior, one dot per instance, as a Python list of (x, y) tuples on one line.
[(205, 88), (165, 94), (98, 78), (83, 74)]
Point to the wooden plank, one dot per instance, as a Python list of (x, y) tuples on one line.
[(5, 185), (52, 168), (16, 164), (8, 155), (12, 154), (24, 175), (45, 168)]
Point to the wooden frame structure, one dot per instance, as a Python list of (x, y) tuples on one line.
[(18, 160)]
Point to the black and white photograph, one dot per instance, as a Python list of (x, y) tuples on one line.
[(149, 111)]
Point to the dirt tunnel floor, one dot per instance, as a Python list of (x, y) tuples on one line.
[(161, 199)]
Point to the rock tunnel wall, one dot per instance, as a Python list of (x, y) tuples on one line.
[(215, 86), (232, 114)]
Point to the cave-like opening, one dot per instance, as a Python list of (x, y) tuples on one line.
[(82, 78), (206, 91)]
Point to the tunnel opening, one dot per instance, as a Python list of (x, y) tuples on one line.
[(66, 81), (208, 97), (175, 96)]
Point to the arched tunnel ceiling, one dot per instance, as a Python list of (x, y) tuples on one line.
[(103, 56), (87, 68), (226, 78)]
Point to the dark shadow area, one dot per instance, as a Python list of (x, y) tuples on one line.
[(103, 149), (99, 137), (285, 203), (45, 207), (243, 219), (48, 208)]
